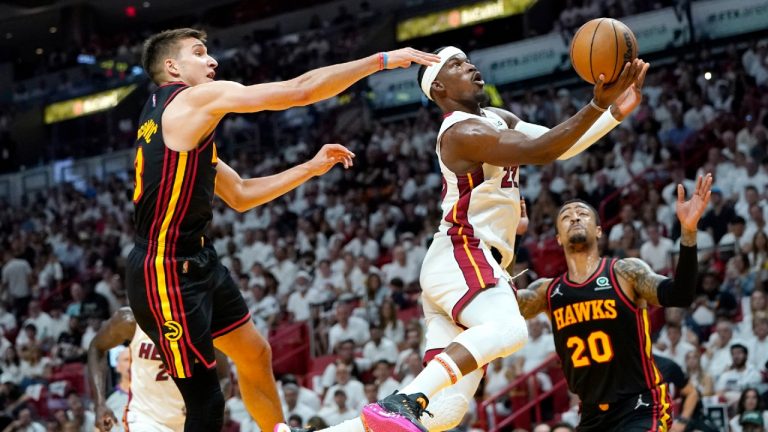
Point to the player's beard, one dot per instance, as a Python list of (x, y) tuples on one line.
[(578, 238)]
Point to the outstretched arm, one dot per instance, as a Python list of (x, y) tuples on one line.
[(618, 111), (533, 300), (477, 141), (680, 291), (245, 194), (114, 332), (222, 97)]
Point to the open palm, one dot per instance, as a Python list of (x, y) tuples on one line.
[(689, 212)]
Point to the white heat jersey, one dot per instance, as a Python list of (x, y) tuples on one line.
[(154, 396), (481, 209)]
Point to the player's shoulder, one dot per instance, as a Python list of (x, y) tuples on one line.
[(510, 119)]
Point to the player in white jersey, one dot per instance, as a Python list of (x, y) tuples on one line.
[(154, 403), (470, 308)]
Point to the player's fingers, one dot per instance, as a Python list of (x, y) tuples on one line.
[(680, 193), (699, 184), (641, 78), (600, 83)]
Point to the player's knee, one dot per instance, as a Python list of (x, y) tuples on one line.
[(512, 333)]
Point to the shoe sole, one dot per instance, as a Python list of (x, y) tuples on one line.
[(377, 419)]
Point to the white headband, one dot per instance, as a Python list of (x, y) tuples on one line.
[(431, 72)]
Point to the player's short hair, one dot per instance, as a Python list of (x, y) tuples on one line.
[(423, 68), (581, 201), (160, 46)]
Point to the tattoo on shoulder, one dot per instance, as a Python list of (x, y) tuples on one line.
[(644, 280), (533, 300)]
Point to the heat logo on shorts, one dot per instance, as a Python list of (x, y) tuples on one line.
[(173, 331)]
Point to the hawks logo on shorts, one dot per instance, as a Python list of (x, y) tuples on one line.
[(172, 331)]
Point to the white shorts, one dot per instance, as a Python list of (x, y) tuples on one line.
[(454, 272), (449, 281), (139, 422)]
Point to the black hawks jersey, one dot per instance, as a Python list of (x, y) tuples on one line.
[(173, 191), (603, 339)]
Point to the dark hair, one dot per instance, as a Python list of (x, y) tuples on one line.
[(740, 406), (162, 45), (738, 220), (580, 201), (563, 425), (423, 68)]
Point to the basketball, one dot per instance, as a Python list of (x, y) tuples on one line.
[(602, 46)]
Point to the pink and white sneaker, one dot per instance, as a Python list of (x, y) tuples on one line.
[(397, 412)]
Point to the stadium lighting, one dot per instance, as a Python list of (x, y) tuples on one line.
[(707, 76)]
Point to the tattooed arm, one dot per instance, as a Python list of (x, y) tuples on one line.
[(639, 279), (533, 300)]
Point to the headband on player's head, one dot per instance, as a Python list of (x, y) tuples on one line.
[(430, 73)]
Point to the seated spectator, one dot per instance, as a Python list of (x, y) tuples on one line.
[(10, 367), (77, 413), (339, 410), (347, 327), (345, 351), (758, 344), (413, 345), (717, 358), (656, 251), (750, 410), (698, 375), (306, 396), (291, 405), (34, 368), (712, 303), (739, 376), (399, 268), (7, 319), (298, 301), (349, 385), (379, 347), (676, 349), (394, 329), (739, 280), (731, 243), (24, 423), (385, 382)]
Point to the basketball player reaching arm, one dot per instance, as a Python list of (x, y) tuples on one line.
[(599, 316), (181, 295), (154, 402), (464, 285)]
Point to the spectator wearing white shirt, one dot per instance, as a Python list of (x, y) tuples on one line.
[(284, 270), (7, 318), (41, 320), (363, 244), (675, 348), (16, 281), (738, 377), (345, 351), (358, 277), (758, 345), (382, 374), (733, 240), (325, 279), (24, 423), (627, 218), (699, 114), (347, 327), (291, 405), (656, 250), (339, 411), (298, 301), (349, 385), (717, 358), (379, 347), (399, 268)]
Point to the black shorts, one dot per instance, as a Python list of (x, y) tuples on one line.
[(647, 411), (182, 303)]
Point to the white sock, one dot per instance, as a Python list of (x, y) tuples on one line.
[(440, 373), (354, 425)]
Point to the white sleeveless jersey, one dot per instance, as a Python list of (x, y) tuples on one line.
[(153, 394), (481, 208)]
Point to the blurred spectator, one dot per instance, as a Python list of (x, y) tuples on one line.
[(676, 348), (291, 404), (16, 282), (379, 347), (24, 423), (338, 410), (739, 376), (382, 376), (657, 250), (347, 327), (750, 410)]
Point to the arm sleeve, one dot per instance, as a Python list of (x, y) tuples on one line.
[(680, 291), (604, 124)]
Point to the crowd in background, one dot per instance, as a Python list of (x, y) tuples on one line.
[(342, 253)]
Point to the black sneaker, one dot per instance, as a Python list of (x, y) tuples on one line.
[(397, 412)]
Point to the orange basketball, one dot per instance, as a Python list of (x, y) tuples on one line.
[(602, 46)]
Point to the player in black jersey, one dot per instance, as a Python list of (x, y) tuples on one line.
[(180, 294), (599, 316)]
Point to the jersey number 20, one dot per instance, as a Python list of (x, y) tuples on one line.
[(597, 348)]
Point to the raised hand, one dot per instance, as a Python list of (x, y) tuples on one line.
[(689, 212), (605, 96), (328, 156), (105, 418), (631, 98), (403, 57)]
